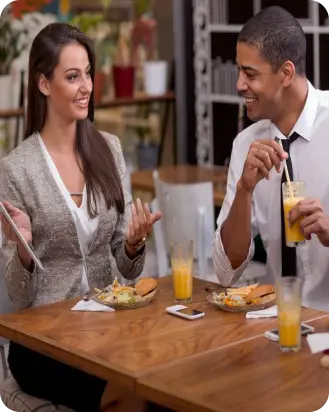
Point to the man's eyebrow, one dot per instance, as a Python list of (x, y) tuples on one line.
[(248, 68)]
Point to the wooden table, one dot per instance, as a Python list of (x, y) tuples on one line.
[(143, 180), (126, 346), (249, 376)]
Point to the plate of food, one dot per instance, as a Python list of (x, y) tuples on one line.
[(244, 299), (119, 296)]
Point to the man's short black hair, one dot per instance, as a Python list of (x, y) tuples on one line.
[(279, 37)]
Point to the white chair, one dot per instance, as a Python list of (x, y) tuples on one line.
[(188, 211), (160, 247)]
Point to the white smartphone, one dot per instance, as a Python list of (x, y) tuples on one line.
[(274, 333), (35, 259), (185, 312)]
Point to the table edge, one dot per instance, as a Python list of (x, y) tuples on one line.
[(69, 355)]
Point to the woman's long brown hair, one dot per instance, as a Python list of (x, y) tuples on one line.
[(98, 163)]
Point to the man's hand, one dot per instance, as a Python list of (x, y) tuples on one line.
[(263, 155), (313, 220)]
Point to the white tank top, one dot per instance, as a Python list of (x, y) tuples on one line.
[(86, 226)]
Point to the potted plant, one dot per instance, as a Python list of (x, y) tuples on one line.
[(12, 44), (148, 140), (123, 69), (144, 35)]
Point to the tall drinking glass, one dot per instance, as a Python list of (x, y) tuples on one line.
[(289, 300), (181, 256), (292, 194)]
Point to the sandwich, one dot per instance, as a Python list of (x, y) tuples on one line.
[(260, 295), (124, 294), (145, 286)]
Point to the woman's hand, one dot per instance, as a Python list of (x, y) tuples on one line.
[(23, 223), (140, 225), (21, 220)]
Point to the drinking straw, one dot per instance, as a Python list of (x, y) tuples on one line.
[(286, 172)]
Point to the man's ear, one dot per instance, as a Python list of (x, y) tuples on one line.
[(43, 84), (288, 72)]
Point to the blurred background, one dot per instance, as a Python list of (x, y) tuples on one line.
[(134, 96), (166, 73)]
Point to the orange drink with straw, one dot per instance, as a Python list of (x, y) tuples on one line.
[(293, 193)]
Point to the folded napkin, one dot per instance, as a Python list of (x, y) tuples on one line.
[(318, 342), (91, 306), (271, 312)]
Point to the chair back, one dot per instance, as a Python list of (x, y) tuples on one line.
[(188, 212), (160, 248)]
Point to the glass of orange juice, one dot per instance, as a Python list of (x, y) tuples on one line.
[(181, 256), (289, 300), (293, 193)]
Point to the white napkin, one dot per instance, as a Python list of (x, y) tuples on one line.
[(91, 306), (318, 342), (271, 312)]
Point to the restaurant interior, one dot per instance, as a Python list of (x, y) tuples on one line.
[(165, 85)]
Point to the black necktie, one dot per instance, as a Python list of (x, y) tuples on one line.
[(288, 253)]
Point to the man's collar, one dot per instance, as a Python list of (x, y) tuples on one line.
[(305, 122)]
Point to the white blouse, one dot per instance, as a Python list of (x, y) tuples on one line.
[(85, 225)]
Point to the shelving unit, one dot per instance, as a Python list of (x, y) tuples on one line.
[(218, 106)]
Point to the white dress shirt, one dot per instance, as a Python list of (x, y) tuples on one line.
[(310, 162), (85, 225)]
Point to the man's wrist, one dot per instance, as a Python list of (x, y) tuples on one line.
[(241, 188)]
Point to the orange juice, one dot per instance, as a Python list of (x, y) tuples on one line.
[(183, 281), (289, 301), (289, 328), (294, 233)]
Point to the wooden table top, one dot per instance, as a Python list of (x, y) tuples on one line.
[(127, 344), (143, 180), (249, 376)]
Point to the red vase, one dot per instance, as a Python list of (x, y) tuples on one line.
[(124, 81)]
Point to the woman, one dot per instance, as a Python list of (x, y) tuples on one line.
[(64, 188)]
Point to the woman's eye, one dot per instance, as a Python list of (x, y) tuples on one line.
[(89, 73), (72, 77)]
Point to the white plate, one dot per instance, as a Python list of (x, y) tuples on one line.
[(244, 308), (146, 300)]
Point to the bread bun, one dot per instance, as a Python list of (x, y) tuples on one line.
[(261, 291), (145, 286), (265, 299)]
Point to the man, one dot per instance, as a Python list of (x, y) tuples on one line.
[(271, 57)]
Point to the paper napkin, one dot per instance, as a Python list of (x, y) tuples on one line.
[(91, 306), (271, 312), (318, 342)]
